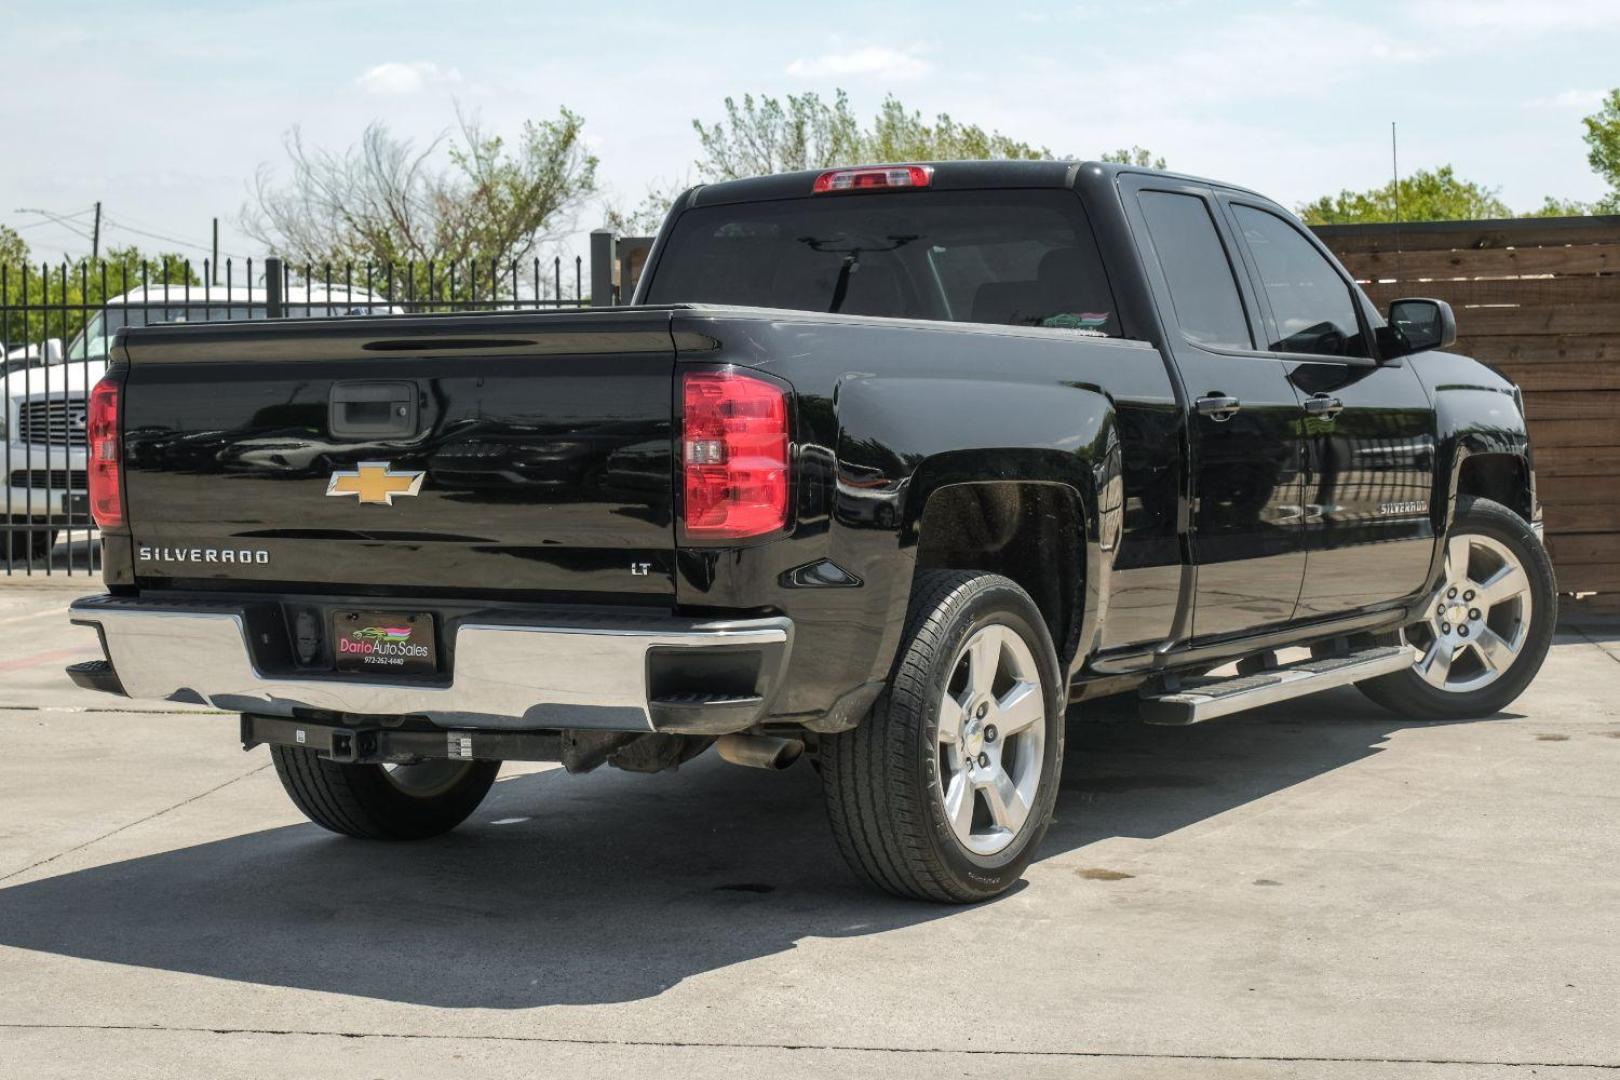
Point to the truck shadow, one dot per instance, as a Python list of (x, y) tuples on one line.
[(611, 887)]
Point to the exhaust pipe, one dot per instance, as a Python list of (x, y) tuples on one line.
[(759, 751)]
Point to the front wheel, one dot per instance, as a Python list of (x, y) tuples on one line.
[(944, 792), (383, 802), (1486, 630)]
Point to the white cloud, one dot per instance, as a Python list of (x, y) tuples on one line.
[(1517, 16), (395, 78), (873, 61), (1237, 62), (1569, 99)]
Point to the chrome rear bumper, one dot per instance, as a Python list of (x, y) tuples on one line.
[(506, 676)]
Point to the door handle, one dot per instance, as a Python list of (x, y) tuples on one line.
[(1218, 407), (1324, 405)]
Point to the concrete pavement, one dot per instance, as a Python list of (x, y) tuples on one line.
[(1317, 889)]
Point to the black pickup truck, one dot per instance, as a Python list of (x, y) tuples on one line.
[(885, 467)]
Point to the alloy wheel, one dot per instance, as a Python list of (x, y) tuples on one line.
[(992, 740), (425, 779), (1478, 621)]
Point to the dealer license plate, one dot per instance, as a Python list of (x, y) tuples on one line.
[(384, 642)]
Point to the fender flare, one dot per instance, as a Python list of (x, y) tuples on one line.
[(1473, 444), (891, 445)]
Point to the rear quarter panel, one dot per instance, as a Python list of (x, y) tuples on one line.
[(888, 412)]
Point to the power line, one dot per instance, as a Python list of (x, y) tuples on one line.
[(47, 221), (114, 223), (83, 230), (80, 229), (139, 223), (136, 225), (80, 232), (62, 220)]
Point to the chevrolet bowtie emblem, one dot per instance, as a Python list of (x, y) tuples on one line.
[(375, 482)]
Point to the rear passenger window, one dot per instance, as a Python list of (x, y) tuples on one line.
[(1309, 300), (1202, 287)]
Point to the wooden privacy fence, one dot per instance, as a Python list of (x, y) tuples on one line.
[(1539, 300)]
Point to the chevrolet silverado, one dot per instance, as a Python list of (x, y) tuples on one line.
[(886, 467)]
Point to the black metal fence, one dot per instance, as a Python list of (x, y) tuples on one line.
[(57, 322)]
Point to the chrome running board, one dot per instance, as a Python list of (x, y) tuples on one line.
[(1206, 698)]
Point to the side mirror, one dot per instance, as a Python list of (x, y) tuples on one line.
[(53, 350), (1419, 324)]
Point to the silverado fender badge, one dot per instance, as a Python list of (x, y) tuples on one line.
[(375, 482)]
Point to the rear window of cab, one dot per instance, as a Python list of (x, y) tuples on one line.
[(1006, 257)]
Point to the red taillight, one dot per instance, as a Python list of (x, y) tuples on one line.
[(888, 176), (734, 453), (106, 460)]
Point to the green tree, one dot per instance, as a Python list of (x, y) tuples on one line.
[(1551, 207), (51, 301), (803, 131), (388, 203), (899, 134), (1603, 150), (645, 217), (13, 248), (766, 135), (763, 135), (1426, 195), (1137, 156), (128, 268)]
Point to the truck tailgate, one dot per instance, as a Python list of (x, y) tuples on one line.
[(522, 456)]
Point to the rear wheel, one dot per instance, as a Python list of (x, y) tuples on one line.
[(944, 792), (383, 802), (1485, 632), (23, 544)]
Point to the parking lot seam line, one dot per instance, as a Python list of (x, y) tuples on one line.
[(1610, 653), (130, 825), (40, 659), (93, 709), (88, 582), (50, 612), (676, 1044)]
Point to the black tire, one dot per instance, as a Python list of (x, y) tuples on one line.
[(884, 781), (1409, 694), (35, 544), (363, 801)]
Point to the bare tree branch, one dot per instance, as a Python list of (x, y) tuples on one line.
[(463, 196)]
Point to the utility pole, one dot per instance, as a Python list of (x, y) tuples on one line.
[(213, 267), (1395, 171), (603, 256), (273, 281), (95, 235), (1395, 168)]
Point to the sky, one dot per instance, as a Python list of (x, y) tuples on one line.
[(165, 110)]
